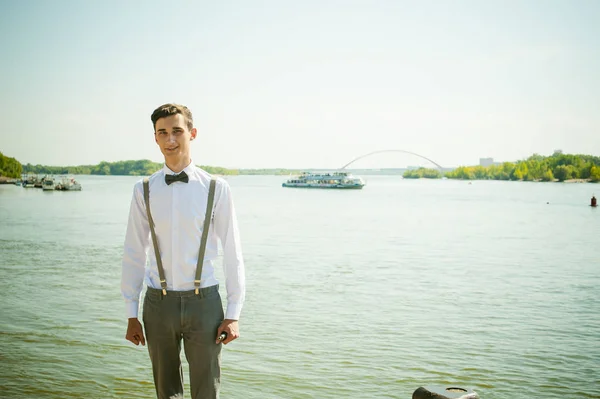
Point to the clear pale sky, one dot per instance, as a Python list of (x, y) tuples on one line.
[(296, 84)]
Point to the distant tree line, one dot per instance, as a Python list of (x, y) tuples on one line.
[(10, 167), (422, 173), (134, 168), (559, 167), (268, 171), (142, 167), (217, 170)]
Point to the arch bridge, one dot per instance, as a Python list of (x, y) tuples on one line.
[(382, 151)]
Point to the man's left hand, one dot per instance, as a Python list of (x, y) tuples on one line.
[(231, 327)]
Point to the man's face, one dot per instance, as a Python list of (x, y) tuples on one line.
[(173, 137)]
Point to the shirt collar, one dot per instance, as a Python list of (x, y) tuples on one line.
[(188, 169)]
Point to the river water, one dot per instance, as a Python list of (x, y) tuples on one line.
[(351, 294)]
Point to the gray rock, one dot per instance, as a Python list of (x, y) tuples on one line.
[(436, 392)]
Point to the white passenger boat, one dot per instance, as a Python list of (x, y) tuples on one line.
[(340, 180)]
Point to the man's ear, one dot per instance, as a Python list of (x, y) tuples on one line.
[(193, 132), (155, 138)]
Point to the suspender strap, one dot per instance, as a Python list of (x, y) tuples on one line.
[(207, 218), (161, 271)]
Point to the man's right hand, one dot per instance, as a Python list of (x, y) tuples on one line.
[(135, 332)]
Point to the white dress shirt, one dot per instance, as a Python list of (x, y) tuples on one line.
[(178, 211)]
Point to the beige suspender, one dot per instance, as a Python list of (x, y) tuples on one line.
[(207, 218)]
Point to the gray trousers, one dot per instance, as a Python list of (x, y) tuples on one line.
[(195, 319)]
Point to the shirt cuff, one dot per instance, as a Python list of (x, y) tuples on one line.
[(233, 311), (132, 309)]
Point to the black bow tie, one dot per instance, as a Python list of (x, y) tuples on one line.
[(182, 177)]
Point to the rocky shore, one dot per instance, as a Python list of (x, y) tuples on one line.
[(7, 180)]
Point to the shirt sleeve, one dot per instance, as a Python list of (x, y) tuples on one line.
[(226, 227), (137, 242)]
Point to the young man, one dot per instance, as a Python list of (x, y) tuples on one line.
[(181, 305)]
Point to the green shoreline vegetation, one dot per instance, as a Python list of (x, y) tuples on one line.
[(557, 167), (422, 173), (11, 168)]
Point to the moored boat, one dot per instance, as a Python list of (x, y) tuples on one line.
[(38, 182), (337, 180), (48, 184), (68, 183), (29, 181)]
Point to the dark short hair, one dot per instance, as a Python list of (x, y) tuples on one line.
[(172, 109)]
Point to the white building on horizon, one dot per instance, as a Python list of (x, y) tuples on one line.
[(485, 162)]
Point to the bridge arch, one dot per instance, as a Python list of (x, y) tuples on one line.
[(381, 151)]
